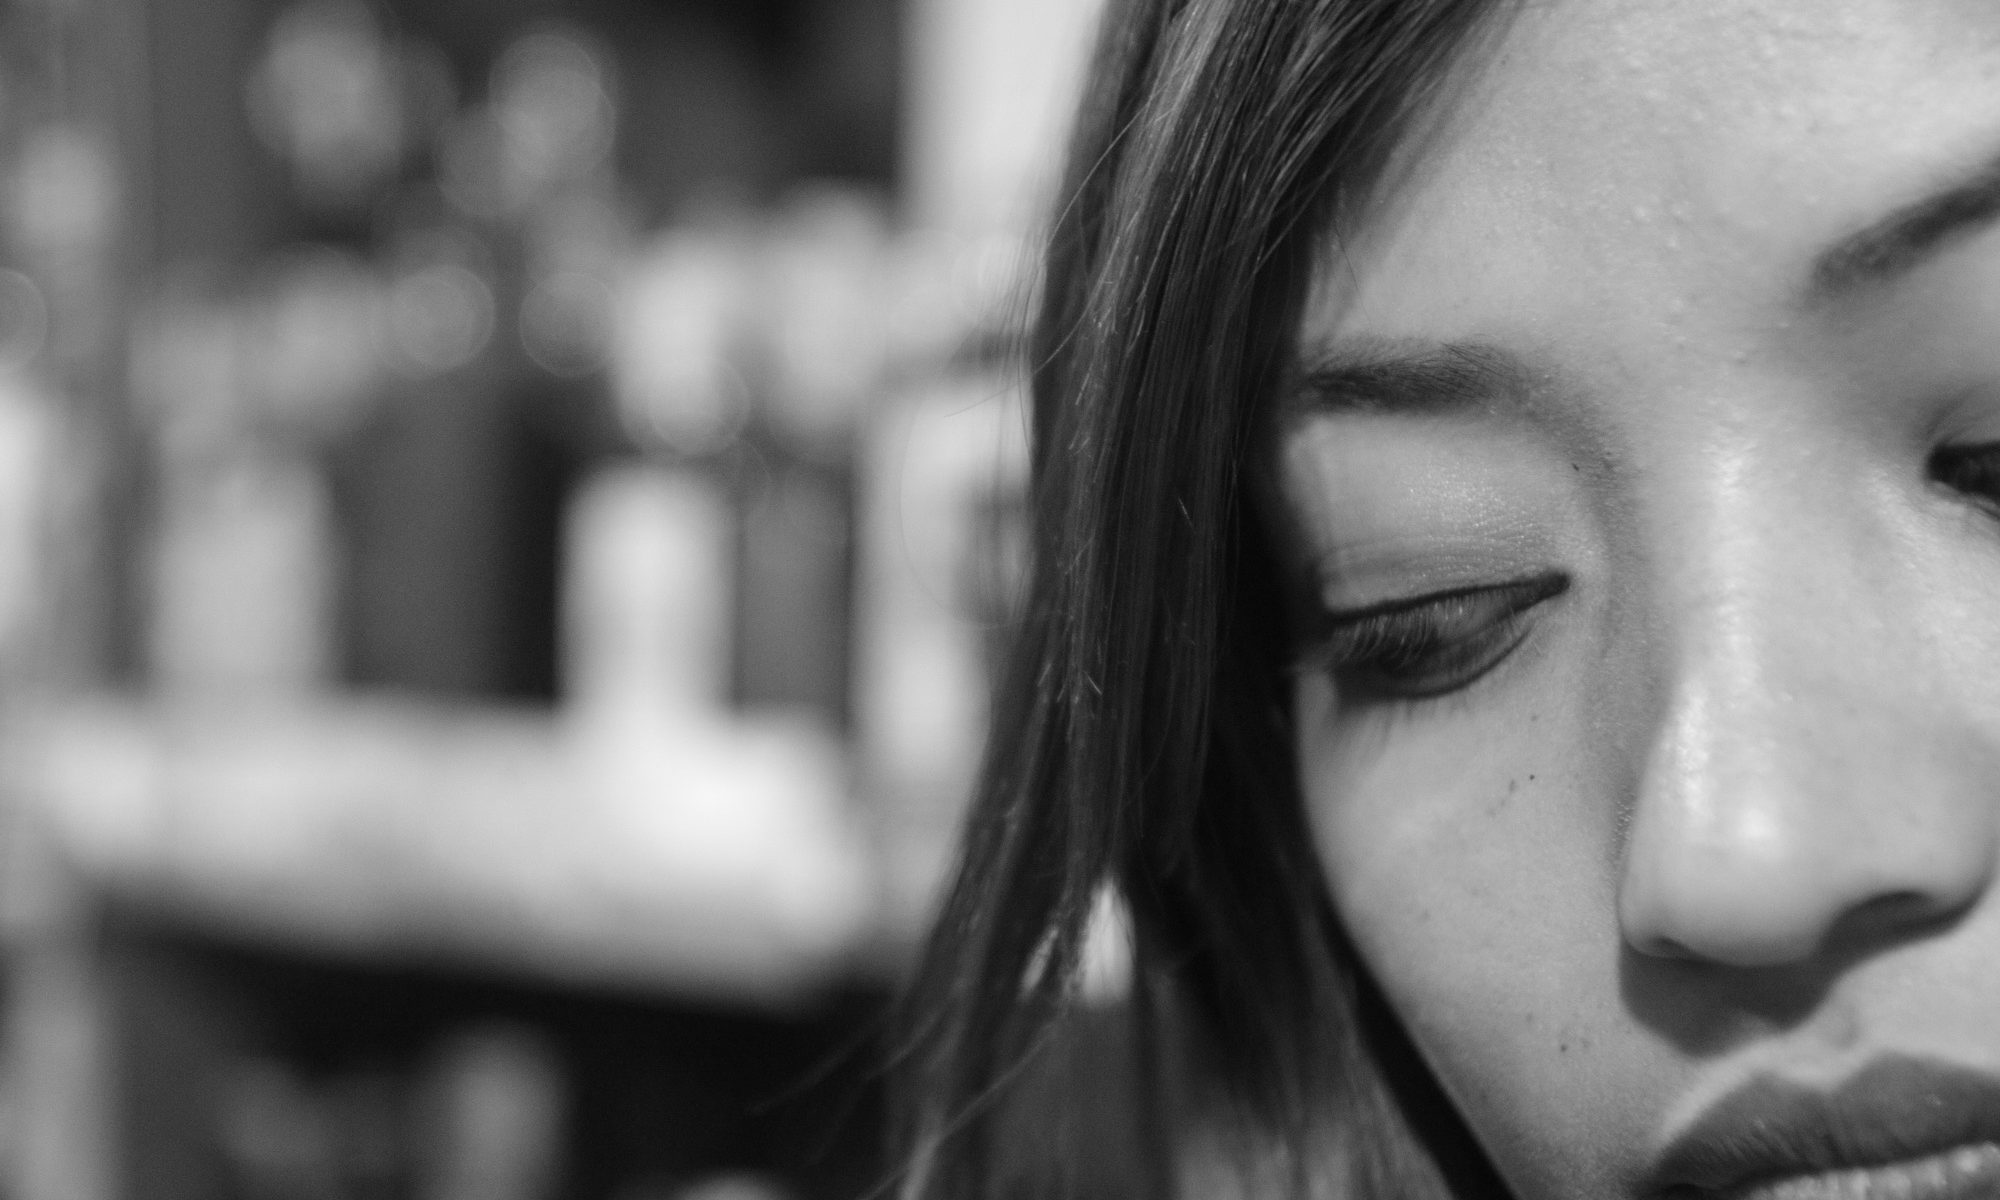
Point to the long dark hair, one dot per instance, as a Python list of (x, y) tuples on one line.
[(1143, 737)]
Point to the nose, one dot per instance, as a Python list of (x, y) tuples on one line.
[(1804, 787)]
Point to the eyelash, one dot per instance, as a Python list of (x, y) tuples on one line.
[(1426, 646), (1971, 470)]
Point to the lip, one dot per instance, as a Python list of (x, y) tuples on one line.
[(1891, 1114)]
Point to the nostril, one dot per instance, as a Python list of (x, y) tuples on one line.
[(1707, 920), (1773, 929), (1664, 947), (1903, 912)]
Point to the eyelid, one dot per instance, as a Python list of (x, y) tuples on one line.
[(1533, 590)]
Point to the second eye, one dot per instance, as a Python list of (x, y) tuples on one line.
[(1972, 471)]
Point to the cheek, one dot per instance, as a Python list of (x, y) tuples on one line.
[(1469, 852)]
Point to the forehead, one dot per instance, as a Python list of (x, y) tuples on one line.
[(1609, 159)]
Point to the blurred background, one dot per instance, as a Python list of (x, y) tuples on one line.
[(507, 509)]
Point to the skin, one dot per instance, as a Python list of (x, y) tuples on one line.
[(1731, 806)]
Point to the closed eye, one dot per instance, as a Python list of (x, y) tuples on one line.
[(1425, 646), (1972, 471)]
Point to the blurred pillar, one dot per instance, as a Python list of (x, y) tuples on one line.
[(993, 86), (992, 89)]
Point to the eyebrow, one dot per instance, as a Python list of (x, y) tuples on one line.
[(1898, 243), (1433, 380), (1465, 377)]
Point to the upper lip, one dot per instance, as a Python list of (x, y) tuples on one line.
[(1893, 1110)]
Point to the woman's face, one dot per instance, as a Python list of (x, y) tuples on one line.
[(1649, 464)]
